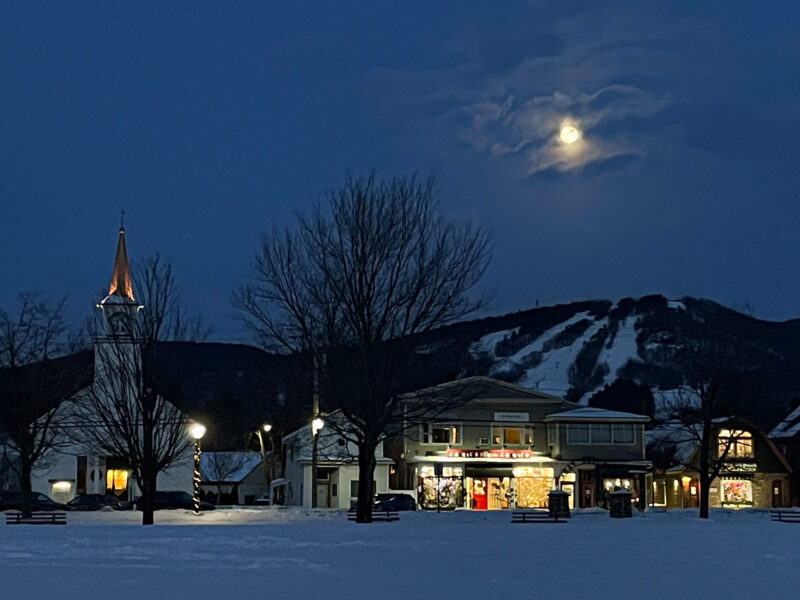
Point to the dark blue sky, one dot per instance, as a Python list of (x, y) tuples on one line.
[(210, 122)]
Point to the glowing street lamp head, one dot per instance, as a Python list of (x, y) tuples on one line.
[(316, 425), (266, 427), (569, 134), (197, 431)]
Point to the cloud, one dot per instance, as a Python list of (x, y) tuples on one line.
[(528, 131)]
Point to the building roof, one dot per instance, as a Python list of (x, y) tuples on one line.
[(228, 467), (480, 387), (590, 414), (787, 428)]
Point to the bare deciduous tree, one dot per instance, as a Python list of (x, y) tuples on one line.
[(164, 317), (126, 412), (219, 466), (695, 414), (349, 286), (33, 383)]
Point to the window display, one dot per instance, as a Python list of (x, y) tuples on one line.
[(444, 492), (737, 492)]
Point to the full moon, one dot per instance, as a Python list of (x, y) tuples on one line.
[(569, 134)]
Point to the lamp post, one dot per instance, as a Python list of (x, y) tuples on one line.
[(197, 432), (316, 425), (266, 428)]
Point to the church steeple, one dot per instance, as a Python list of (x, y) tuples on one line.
[(120, 307), (121, 283)]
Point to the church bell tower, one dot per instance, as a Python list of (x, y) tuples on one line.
[(120, 307)]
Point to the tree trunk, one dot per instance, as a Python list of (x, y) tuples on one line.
[(705, 478), (366, 475), (148, 495), (26, 493)]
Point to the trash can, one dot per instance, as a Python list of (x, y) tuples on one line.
[(558, 504), (620, 504)]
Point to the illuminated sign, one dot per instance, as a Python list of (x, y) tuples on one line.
[(496, 453), (738, 467)]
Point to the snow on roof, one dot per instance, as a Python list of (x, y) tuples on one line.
[(789, 427), (683, 440), (595, 414), (228, 466)]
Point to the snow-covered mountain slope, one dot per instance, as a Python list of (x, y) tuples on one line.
[(577, 350)]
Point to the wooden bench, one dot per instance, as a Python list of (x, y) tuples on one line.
[(534, 516), (785, 516), (37, 518), (378, 516)]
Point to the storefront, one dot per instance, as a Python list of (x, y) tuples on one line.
[(487, 480)]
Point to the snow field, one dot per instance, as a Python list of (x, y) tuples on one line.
[(296, 554)]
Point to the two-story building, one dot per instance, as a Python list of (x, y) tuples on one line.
[(336, 484), (496, 445), (786, 436), (752, 472)]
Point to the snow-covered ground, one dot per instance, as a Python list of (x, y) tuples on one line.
[(285, 554)]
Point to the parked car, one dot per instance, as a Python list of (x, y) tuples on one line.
[(94, 502), (173, 500), (13, 501), (395, 502)]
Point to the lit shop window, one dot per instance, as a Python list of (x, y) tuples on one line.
[(532, 486), (512, 436), (659, 493), (739, 444), (117, 480), (611, 485), (737, 492), (441, 433)]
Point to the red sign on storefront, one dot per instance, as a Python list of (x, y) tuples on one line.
[(496, 453)]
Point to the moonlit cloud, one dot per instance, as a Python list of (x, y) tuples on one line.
[(528, 131)]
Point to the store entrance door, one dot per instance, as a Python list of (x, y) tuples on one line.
[(479, 498)]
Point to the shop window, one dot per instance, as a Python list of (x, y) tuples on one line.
[(737, 492), (659, 493), (613, 485), (623, 434), (739, 444), (532, 486), (441, 433)]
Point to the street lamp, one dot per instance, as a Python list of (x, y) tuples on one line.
[(197, 431), (266, 427), (316, 425)]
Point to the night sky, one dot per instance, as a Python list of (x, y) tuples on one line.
[(209, 123)]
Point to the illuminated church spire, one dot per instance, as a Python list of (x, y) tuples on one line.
[(120, 307), (121, 283)]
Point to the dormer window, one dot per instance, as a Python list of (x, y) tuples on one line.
[(737, 443)]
